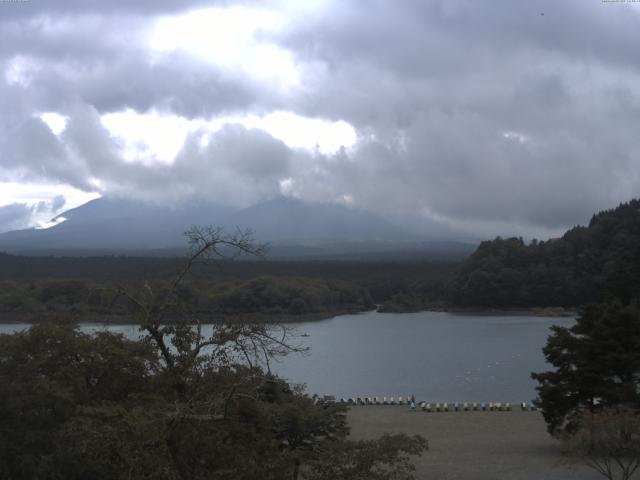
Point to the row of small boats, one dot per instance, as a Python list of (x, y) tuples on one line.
[(433, 407)]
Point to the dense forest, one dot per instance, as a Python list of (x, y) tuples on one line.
[(383, 279), (587, 264), (261, 297), (87, 287)]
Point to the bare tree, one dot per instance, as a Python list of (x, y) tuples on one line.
[(181, 341), (609, 442)]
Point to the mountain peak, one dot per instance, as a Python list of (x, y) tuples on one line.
[(121, 225)]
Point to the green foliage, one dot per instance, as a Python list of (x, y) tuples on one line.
[(597, 365), (587, 264), (289, 296), (404, 302), (50, 373), (78, 406)]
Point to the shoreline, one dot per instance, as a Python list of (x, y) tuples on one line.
[(112, 319), (532, 311)]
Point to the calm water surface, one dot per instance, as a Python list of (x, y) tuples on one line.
[(435, 356)]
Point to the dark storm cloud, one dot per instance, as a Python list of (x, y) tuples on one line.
[(28, 148), (71, 38), (104, 61), (483, 110), (14, 216), (32, 8), (174, 83), (35, 153), (415, 37), (387, 62), (494, 112)]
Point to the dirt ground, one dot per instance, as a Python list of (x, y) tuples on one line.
[(474, 445)]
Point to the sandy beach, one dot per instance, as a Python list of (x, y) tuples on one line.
[(474, 445)]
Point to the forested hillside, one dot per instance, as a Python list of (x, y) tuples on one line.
[(587, 264)]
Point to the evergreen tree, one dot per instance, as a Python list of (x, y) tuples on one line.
[(597, 365)]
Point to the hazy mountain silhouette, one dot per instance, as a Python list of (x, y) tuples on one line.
[(290, 220), (293, 227), (116, 224)]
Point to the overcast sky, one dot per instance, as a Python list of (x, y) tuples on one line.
[(495, 116)]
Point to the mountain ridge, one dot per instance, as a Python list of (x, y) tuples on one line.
[(293, 227)]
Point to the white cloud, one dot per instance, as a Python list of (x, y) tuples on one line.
[(54, 121), (153, 137), (517, 136), (35, 205), (302, 132), (33, 193), (149, 137), (20, 70), (51, 223), (286, 186), (233, 38)]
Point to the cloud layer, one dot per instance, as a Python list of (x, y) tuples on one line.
[(15, 216), (504, 115)]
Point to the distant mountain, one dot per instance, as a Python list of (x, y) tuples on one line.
[(108, 224), (368, 251), (293, 221), (295, 229)]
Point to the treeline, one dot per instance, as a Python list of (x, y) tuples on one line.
[(292, 296), (85, 285), (265, 295), (587, 264)]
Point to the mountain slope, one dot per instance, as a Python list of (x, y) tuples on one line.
[(293, 228), (290, 220), (111, 224), (116, 224)]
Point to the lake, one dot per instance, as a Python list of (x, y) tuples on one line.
[(436, 356)]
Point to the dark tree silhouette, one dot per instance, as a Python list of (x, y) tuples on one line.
[(597, 365)]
